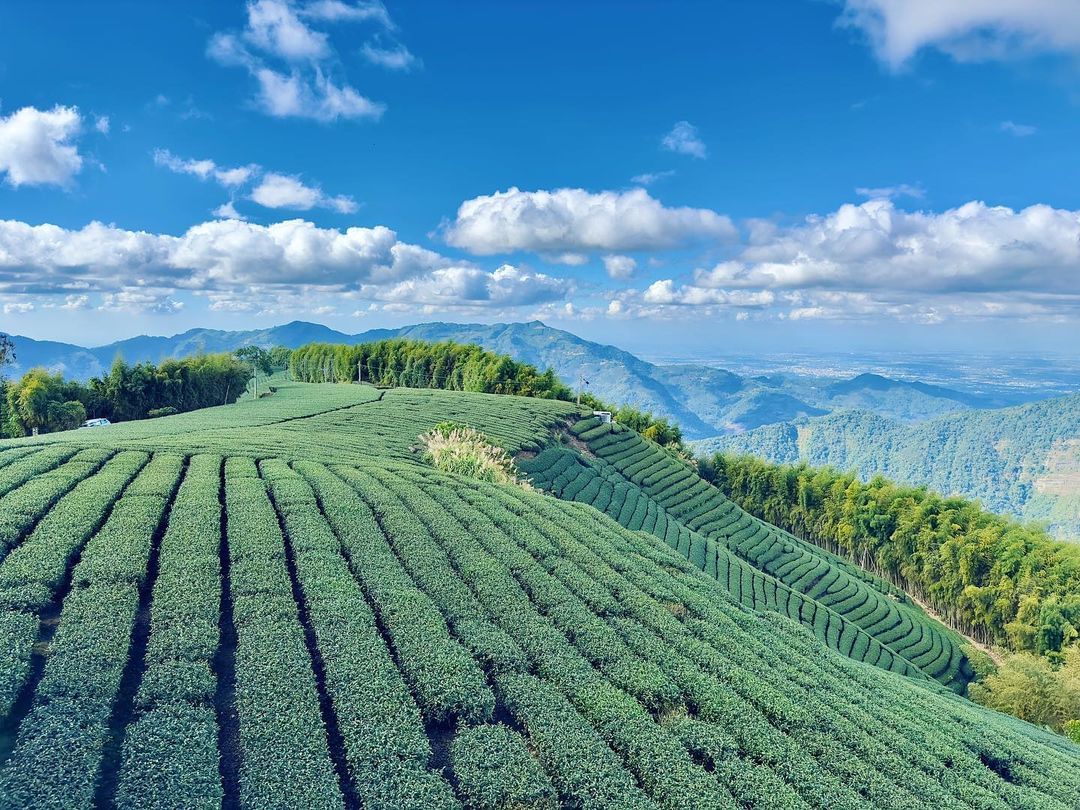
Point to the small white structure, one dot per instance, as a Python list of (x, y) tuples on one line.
[(605, 416), (101, 422)]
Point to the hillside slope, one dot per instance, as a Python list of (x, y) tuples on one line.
[(1022, 461), (646, 488), (292, 611)]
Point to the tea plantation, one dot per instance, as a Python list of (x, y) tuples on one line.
[(646, 488), (277, 604)]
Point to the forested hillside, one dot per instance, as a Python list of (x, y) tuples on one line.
[(279, 603), (1022, 461)]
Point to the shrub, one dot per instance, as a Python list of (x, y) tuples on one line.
[(495, 770), (464, 451), (1029, 687)]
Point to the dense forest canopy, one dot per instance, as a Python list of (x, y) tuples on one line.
[(49, 403), (997, 580)]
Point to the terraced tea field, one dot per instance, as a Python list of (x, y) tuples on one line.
[(291, 610)]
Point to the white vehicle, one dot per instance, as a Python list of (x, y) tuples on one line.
[(99, 422)]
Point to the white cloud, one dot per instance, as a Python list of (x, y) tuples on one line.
[(141, 300), (287, 191), (620, 266), (338, 11), (875, 261), (397, 57), (18, 308), (665, 291), (239, 266), (574, 220), (967, 30), (37, 146), (227, 210), (916, 192), (205, 169), (1019, 130), (468, 287), (274, 190), (101, 124), (685, 140), (282, 191), (648, 178), (568, 259), (292, 63), (76, 302), (875, 245), (274, 27), (667, 298), (295, 96)]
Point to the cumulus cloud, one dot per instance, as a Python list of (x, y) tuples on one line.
[(963, 29), (875, 260), (621, 267), (101, 124), (685, 140), (574, 220), (228, 260), (287, 191), (972, 248), (37, 146), (292, 63)]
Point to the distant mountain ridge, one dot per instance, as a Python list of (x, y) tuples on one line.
[(705, 401), (1023, 461)]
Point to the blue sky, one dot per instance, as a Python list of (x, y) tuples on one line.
[(865, 174)]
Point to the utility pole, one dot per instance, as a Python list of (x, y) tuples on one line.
[(255, 377), (582, 382), (359, 371)]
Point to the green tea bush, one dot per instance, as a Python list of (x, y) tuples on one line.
[(495, 770)]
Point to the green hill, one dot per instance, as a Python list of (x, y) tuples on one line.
[(278, 604), (1022, 461)]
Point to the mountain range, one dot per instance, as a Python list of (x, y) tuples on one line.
[(704, 400)]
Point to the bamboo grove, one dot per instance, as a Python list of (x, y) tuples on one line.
[(998, 580)]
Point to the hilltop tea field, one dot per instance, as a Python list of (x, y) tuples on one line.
[(281, 604)]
